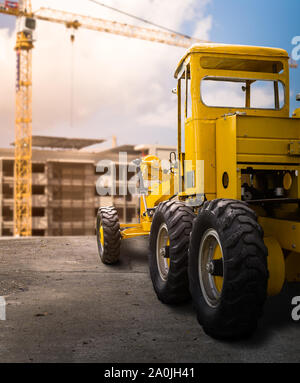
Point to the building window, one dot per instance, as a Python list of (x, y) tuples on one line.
[(38, 233), (7, 214), (7, 232), (38, 189), (38, 212), (8, 191), (38, 168), (8, 168)]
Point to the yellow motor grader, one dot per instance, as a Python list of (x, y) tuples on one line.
[(224, 218)]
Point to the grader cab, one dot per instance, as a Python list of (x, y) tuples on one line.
[(223, 219)]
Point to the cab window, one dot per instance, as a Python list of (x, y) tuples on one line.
[(242, 93)]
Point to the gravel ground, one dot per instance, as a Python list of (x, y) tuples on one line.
[(63, 305)]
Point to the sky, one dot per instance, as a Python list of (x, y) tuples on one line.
[(122, 86)]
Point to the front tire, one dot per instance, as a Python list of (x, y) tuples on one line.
[(227, 269), (108, 235), (169, 242)]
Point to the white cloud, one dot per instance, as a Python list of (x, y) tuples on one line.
[(121, 86), (203, 28)]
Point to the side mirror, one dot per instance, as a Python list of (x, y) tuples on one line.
[(298, 97), (172, 158)]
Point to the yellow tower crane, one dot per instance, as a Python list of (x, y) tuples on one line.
[(26, 20), (23, 123)]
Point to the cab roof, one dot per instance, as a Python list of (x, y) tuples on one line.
[(241, 50)]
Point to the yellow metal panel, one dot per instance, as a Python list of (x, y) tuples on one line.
[(226, 156), (146, 226), (263, 139), (294, 148), (189, 139), (276, 266), (224, 49), (201, 148), (266, 146), (268, 127), (129, 225), (246, 50), (205, 150), (292, 267), (135, 231), (258, 158), (210, 196), (189, 158), (287, 233)]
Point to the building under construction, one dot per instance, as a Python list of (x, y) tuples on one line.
[(64, 176)]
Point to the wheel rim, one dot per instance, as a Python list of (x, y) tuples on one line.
[(211, 257), (162, 242), (101, 236)]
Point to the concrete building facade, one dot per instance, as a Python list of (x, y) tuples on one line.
[(64, 196)]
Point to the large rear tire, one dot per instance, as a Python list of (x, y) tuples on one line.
[(227, 269), (108, 235), (169, 242)]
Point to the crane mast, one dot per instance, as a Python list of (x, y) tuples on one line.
[(23, 124)]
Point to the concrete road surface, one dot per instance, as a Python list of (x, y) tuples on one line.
[(63, 305)]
